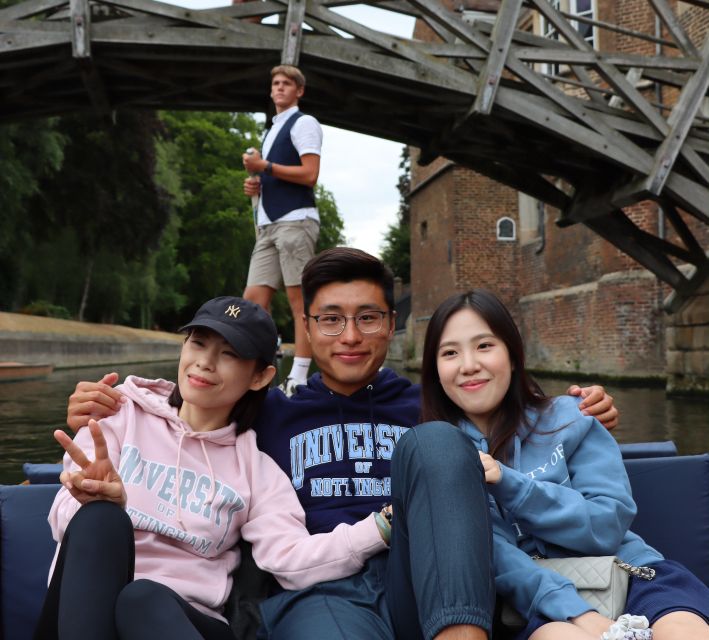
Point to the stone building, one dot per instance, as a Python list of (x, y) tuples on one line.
[(583, 306)]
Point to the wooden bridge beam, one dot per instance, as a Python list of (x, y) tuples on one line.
[(80, 13), (293, 32)]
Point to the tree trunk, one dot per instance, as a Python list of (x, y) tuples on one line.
[(87, 286)]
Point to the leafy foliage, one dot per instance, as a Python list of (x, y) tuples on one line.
[(136, 222), (396, 249)]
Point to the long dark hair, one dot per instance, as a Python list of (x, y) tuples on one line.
[(246, 409), (523, 391)]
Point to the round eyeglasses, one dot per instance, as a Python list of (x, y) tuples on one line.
[(333, 324)]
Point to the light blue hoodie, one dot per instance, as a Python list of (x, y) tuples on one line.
[(566, 493)]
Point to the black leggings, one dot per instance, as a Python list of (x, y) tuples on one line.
[(92, 594)]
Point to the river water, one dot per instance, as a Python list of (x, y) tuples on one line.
[(30, 411)]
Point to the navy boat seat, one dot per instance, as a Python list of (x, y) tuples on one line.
[(672, 494), (26, 551), (671, 491)]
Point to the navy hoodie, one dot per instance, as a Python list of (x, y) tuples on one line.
[(337, 449)]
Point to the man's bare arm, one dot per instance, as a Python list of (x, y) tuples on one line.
[(305, 173), (597, 403), (93, 400)]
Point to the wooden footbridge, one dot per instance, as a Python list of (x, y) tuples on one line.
[(591, 131)]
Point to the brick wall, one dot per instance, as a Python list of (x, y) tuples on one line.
[(581, 303)]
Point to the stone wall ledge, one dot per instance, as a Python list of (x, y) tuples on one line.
[(68, 343)]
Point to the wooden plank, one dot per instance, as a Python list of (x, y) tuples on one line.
[(698, 3), (443, 33), (629, 93), (397, 46), (452, 23), (29, 8), (293, 32), (676, 300), (249, 10), (617, 229), (662, 246), (80, 29), (540, 117), (683, 231), (451, 50), (693, 198), (665, 13), (680, 121), (609, 26), (633, 76), (80, 18), (27, 42), (254, 38), (491, 74), (616, 145), (32, 26), (204, 17), (571, 56), (521, 179), (39, 78)]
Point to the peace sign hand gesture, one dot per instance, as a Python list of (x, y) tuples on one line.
[(98, 479)]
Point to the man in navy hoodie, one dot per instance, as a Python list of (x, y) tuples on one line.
[(335, 438)]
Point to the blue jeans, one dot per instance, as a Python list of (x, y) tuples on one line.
[(438, 572)]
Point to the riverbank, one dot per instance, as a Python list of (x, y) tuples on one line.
[(68, 343)]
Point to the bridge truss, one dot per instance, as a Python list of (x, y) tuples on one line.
[(589, 131)]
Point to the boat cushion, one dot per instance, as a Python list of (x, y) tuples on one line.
[(672, 495), (648, 449), (42, 472), (26, 551)]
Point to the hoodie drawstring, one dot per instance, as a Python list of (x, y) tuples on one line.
[(193, 434), (517, 460), (370, 389)]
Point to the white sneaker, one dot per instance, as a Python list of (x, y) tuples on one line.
[(629, 627), (289, 386)]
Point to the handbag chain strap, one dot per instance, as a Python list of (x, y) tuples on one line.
[(646, 573)]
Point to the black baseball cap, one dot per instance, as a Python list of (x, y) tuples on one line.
[(245, 325)]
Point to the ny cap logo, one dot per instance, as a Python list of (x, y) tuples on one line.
[(233, 311)]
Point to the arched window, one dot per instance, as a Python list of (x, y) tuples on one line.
[(506, 230)]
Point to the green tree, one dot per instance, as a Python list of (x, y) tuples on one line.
[(332, 225), (105, 190), (29, 152), (396, 248), (216, 218)]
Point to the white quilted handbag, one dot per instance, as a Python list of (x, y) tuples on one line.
[(602, 581)]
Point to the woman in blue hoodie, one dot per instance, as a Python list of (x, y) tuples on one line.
[(556, 482)]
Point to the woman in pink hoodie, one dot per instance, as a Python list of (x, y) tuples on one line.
[(155, 498)]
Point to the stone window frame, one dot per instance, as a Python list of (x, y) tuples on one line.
[(506, 238)]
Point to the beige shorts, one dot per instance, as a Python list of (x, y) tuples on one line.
[(281, 251)]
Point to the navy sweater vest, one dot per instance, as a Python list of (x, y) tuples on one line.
[(281, 197)]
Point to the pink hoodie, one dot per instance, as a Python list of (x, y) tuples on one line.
[(186, 530)]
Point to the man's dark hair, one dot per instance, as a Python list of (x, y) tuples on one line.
[(345, 264)]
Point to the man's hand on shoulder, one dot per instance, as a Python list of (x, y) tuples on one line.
[(597, 403), (93, 400)]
